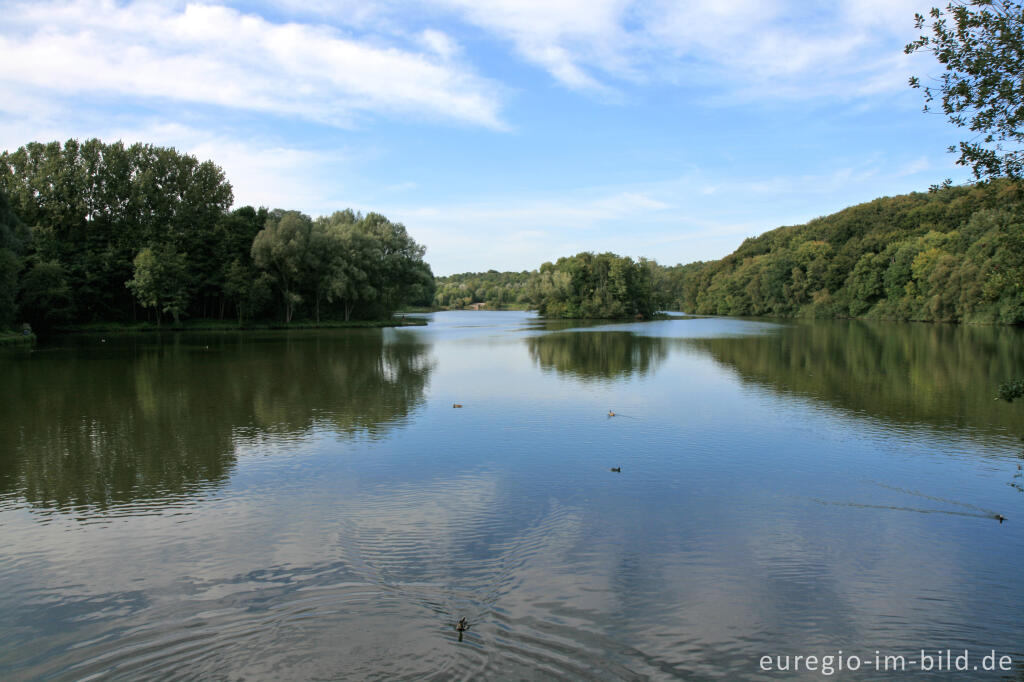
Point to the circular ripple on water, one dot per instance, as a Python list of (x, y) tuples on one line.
[(403, 569)]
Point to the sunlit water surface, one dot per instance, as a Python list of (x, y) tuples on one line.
[(309, 505)]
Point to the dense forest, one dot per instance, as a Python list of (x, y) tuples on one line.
[(496, 289), (586, 285), (953, 255), (94, 232)]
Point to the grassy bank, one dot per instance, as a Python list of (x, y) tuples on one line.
[(224, 325), (16, 339)]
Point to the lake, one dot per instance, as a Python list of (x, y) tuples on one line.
[(310, 505)]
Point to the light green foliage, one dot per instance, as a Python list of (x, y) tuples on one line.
[(980, 43), (160, 281)]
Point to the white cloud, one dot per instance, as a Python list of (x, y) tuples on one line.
[(335, 63), (701, 215), (214, 55), (785, 48), (558, 36), (439, 43), (757, 48), (888, 15), (918, 165), (404, 65), (269, 175)]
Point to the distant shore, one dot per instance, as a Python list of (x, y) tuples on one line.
[(226, 326)]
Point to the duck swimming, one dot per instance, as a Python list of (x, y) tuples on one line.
[(617, 470), (1000, 518), (461, 627), (610, 413)]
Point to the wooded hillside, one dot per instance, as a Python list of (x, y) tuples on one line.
[(954, 255)]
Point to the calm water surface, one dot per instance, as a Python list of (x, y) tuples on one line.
[(309, 505)]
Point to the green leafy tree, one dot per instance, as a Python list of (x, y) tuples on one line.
[(324, 264), (10, 267), (591, 285), (349, 281), (107, 215), (161, 281), (498, 289), (97, 205), (394, 263), (866, 283), (1011, 390), (234, 236), (45, 296), (247, 288), (12, 243), (282, 248), (980, 43), (367, 265)]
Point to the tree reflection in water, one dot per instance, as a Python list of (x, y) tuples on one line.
[(598, 355), (158, 418), (936, 374)]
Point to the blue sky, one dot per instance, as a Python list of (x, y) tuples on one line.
[(502, 133)]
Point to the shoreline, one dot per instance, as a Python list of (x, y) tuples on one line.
[(16, 339), (207, 326)]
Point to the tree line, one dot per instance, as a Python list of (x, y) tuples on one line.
[(90, 231), (952, 255), (95, 232), (586, 285)]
